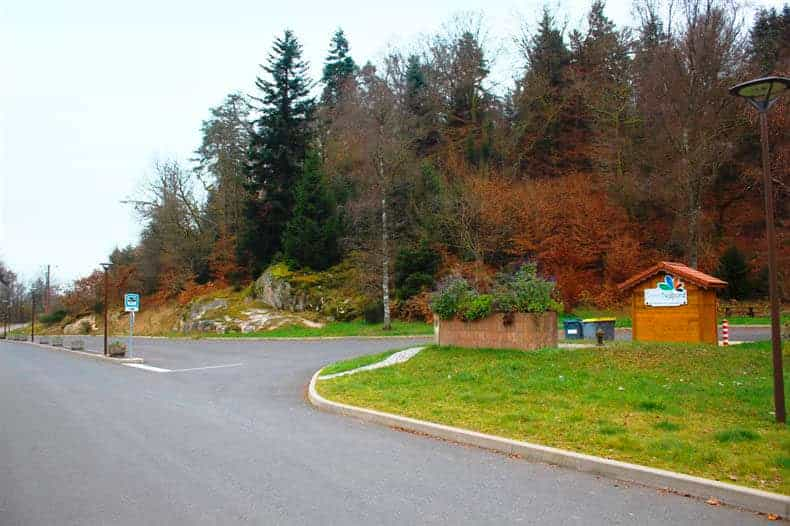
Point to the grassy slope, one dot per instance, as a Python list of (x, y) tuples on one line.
[(691, 408), (354, 363), (339, 329)]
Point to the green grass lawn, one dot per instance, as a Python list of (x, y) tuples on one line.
[(696, 409), (359, 361), (339, 328), (624, 317), (757, 320)]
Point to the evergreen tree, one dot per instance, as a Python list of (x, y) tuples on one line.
[(279, 140), (735, 271), (338, 69), (546, 53), (311, 236), (545, 121), (469, 69), (770, 40), (222, 164), (415, 86)]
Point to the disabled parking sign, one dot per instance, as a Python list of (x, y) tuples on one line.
[(131, 302)]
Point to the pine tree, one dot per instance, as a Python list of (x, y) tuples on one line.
[(415, 86), (311, 236), (770, 40), (545, 122), (546, 52), (279, 141), (735, 271), (339, 68)]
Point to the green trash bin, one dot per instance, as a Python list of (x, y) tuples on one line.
[(590, 327)]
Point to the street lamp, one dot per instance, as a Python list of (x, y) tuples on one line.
[(106, 267), (762, 93), (33, 315), (6, 315)]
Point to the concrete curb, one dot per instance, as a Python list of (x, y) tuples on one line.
[(740, 496), (93, 355)]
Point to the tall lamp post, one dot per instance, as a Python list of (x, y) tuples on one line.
[(106, 267), (762, 93), (6, 315), (33, 316)]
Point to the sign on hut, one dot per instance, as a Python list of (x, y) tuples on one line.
[(671, 302)]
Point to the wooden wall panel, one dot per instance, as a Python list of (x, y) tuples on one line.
[(693, 322)]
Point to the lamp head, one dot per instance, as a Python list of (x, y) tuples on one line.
[(763, 92)]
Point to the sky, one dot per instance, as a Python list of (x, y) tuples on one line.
[(93, 91)]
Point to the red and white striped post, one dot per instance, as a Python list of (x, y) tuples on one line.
[(725, 332)]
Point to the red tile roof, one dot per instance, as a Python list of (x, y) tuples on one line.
[(678, 269)]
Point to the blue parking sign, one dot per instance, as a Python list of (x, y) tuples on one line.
[(131, 302)]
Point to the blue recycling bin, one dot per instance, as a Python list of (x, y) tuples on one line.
[(573, 328)]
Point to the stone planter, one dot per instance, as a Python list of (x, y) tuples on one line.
[(116, 349), (57, 341), (525, 332), (77, 345)]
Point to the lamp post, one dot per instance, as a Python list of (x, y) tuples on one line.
[(762, 93), (6, 315), (106, 267), (33, 316)]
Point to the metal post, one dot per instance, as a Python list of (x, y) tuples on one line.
[(33, 316), (773, 287), (105, 311), (46, 294), (131, 331)]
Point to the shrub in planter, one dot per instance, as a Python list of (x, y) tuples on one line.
[(525, 291), (116, 348), (476, 307), (452, 293)]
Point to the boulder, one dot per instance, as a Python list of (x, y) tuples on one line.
[(84, 325), (276, 290)]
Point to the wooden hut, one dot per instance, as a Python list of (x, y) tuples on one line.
[(671, 302)]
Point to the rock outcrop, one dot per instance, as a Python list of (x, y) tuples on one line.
[(277, 291)]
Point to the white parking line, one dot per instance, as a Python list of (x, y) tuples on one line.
[(147, 367), (204, 368)]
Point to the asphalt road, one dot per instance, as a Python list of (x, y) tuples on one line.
[(86, 442)]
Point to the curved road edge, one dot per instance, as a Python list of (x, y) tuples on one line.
[(731, 494)]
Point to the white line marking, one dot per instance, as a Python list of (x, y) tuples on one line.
[(394, 359), (204, 368), (147, 367)]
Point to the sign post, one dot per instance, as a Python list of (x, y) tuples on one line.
[(131, 303)]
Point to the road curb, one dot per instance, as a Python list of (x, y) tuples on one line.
[(734, 495), (83, 353)]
